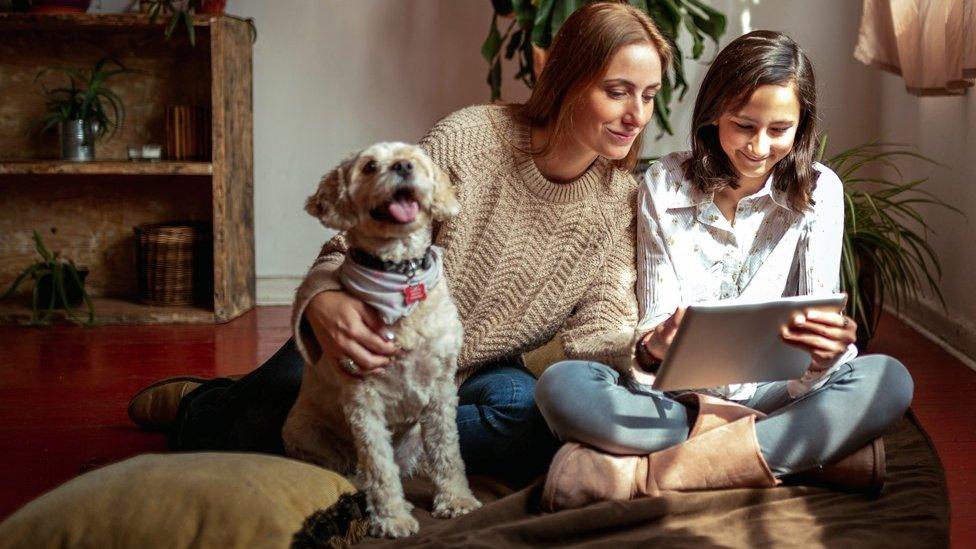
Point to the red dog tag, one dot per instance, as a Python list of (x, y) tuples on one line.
[(414, 293)]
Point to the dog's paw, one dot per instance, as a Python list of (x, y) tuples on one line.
[(454, 505), (396, 526)]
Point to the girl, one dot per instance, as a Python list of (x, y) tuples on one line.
[(544, 244), (745, 214)]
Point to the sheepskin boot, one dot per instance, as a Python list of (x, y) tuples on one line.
[(714, 412), (862, 471), (727, 456)]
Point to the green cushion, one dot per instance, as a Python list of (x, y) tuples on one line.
[(178, 500)]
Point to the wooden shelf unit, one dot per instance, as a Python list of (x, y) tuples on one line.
[(87, 210)]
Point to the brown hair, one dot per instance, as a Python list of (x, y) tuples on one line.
[(579, 55), (755, 59)]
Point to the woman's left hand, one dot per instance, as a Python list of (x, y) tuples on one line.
[(822, 334)]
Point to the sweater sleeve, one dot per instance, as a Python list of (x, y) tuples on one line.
[(603, 326), (321, 277)]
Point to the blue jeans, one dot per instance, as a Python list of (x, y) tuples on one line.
[(502, 433), (859, 402)]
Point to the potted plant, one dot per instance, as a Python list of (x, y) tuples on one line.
[(535, 22), (183, 11), (58, 284), (85, 110), (886, 251)]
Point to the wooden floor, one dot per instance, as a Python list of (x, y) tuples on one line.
[(64, 390)]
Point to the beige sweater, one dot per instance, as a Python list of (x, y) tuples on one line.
[(526, 258)]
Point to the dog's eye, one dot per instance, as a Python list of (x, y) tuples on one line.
[(370, 167)]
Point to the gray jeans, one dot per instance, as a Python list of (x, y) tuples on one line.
[(591, 403)]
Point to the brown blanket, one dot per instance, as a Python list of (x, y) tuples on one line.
[(913, 511)]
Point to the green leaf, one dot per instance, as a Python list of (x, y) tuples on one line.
[(493, 42), (542, 27)]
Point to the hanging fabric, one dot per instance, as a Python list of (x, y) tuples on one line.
[(930, 43)]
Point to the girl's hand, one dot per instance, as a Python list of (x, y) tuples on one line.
[(823, 334), (657, 342), (345, 327)]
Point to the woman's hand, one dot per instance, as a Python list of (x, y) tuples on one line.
[(822, 334), (345, 327), (657, 342)]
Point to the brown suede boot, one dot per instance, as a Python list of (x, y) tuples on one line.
[(155, 406), (862, 471), (714, 412), (727, 456)]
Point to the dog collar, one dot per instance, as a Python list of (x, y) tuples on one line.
[(393, 294), (406, 267)]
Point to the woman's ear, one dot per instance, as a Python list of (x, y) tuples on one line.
[(539, 57), (331, 203)]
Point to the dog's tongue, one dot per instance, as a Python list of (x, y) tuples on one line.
[(404, 211)]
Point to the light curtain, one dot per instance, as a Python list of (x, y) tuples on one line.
[(930, 43)]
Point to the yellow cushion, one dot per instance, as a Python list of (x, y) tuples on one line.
[(178, 500)]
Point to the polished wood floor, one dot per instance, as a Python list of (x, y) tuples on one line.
[(63, 393)]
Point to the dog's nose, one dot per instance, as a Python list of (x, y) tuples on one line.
[(403, 168)]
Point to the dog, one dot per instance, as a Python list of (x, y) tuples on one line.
[(383, 427)]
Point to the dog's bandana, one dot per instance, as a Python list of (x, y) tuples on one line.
[(394, 295)]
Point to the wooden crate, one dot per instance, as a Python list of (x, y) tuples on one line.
[(93, 207)]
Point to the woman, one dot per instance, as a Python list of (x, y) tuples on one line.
[(746, 214), (544, 244)]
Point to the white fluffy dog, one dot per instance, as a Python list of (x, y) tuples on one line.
[(386, 198)]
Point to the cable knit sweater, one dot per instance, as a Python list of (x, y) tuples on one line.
[(526, 258)]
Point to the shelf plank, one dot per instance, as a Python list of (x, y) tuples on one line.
[(117, 21), (104, 167), (16, 310)]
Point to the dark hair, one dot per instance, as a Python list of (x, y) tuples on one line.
[(580, 52), (752, 60)]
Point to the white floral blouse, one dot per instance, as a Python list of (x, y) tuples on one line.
[(688, 252)]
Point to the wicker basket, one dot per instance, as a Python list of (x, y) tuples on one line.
[(175, 264)]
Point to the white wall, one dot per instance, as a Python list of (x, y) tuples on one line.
[(331, 76), (943, 128)]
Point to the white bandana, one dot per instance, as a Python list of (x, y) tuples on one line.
[(385, 290)]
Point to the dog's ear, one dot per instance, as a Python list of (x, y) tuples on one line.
[(331, 203), (444, 203)]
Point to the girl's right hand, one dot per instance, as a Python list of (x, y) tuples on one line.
[(345, 327), (658, 341)]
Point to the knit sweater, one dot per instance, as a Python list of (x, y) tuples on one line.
[(526, 258)]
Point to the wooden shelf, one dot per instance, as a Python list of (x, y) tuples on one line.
[(112, 311), (104, 167), (115, 21)]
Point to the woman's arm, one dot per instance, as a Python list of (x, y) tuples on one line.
[(658, 290), (327, 320), (603, 324), (827, 336)]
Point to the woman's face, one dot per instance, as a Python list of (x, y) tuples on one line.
[(761, 133), (614, 110)]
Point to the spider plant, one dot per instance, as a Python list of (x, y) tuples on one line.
[(886, 250), (535, 22), (86, 98), (59, 279), (183, 11)]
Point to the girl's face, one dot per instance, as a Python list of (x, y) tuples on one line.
[(615, 108), (761, 133)]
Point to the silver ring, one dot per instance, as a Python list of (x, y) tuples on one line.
[(349, 365)]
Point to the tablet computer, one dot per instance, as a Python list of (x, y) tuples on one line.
[(724, 343)]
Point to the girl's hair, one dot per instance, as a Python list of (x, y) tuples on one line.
[(755, 59), (579, 55)]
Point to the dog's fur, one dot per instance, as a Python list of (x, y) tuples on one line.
[(403, 421)]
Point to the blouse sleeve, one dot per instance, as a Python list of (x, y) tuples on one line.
[(658, 291)]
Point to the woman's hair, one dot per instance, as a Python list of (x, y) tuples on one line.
[(755, 59), (580, 53)]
